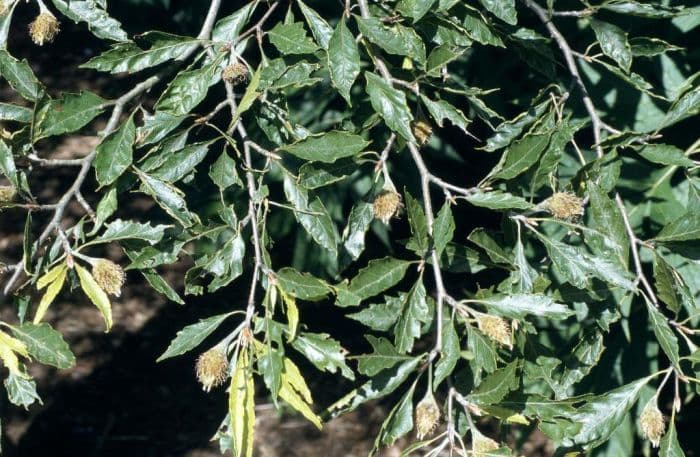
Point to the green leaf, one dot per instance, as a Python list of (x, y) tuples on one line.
[(378, 276), (115, 153), (188, 89), (324, 352), (578, 267), (343, 60), (651, 10), (449, 353), (301, 285), (319, 27), (359, 221), (384, 356), (395, 39), (128, 57), (45, 345), (180, 164), (671, 289), (291, 39), (228, 28), (438, 59), (21, 391), (497, 385), (443, 229), (664, 335), (685, 228), (485, 355), (20, 76), (686, 106), (96, 295), (192, 336), (67, 114), (10, 112), (315, 175), (601, 415), (398, 422), (101, 24), (520, 305), (223, 172), (380, 316), (419, 226), (498, 200), (327, 147), (613, 42), (415, 313), (441, 110), (160, 285), (391, 105), (521, 156), (502, 9), (312, 216), (414, 9), (609, 239), (7, 164), (169, 198), (669, 445), (121, 230), (479, 29), (666, 154)]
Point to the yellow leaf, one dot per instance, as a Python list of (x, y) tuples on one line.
[(291, 387), (9, 348), (296, 380), (292, 314), (241, 406), (95, 294), (51, 275), (51, 292)]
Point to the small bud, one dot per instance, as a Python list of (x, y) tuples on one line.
[(212, 368), (564, 205), (482, 445), (7, 194), (422, 131), (427, 415), (387, 205), (44, 28), (496, 328), (651, 421), (235, 73), (109, 276)]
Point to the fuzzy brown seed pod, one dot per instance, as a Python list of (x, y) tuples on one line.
[(482, 445), (564, 205), (427, 415), (44, 28), (422, 131), (387, 205), (235, 73), (652, 423), (212, 368), (3, 7), (7, 194), (109, 276), (496, 328)]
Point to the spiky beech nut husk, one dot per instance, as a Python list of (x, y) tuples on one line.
[(496, 328), (387, 205), (235, 73), (652, 423), (3, 7), (44, 28), (564, 205), (109, 276), (422, 131), (427, 415), (482, 445), (212, 368), (7, 194)]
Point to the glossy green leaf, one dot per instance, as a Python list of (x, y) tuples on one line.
[(192, 336), (343, 60)]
